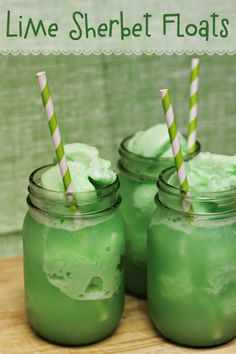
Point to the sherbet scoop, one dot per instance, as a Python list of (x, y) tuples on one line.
[(154, 142), (209, 172), (87, 169)]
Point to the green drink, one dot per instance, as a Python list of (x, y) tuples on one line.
[(192, 254), (73, 263), (142, 158)]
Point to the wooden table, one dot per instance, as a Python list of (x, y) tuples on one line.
[(134, 335)]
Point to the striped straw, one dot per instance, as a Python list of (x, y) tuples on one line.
[(193, 105), (174, 139), (55, 132)]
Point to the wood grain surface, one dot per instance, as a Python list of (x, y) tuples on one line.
[(134, 335)]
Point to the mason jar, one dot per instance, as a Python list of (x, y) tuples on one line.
[(73, 263), (192, 265), (138, 176)]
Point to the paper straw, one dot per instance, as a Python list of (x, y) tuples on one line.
[(193, 105), (55, 132), (174, 139)]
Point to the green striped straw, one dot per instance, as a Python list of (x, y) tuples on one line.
[(174, 139), (55, 132), (193, 105)]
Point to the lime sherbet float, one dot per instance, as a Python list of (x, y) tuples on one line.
[(142, 157), (73, 260), (192, 253)]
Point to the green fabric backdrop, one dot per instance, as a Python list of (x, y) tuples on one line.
[(99, 100)]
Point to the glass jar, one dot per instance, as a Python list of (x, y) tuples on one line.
[(138, 176), (192, 265), (73, 263)]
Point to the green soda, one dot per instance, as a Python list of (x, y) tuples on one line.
[(192, 257), (139, 171), (73, 264)]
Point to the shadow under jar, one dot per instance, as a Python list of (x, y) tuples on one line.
[(73, 263), (192, 265), (138, 176)]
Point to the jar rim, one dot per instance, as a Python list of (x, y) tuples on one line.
[(96, 202), (146, 168), (123, 151), (32, 183), (167, 195), (163, 184)]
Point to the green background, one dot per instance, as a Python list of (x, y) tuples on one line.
[(99, 100)]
